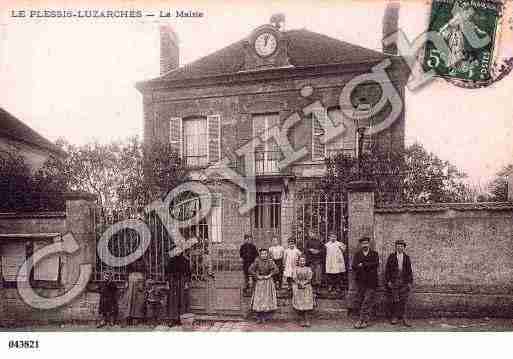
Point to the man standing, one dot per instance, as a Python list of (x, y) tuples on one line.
[(314, 258), (398, 279), (248, 252), (335, 263), (276, 253), (365, 266)]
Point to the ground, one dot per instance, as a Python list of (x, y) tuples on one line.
[(345, 324)]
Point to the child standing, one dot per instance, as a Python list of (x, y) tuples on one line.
[(302, 293), (108, 307)]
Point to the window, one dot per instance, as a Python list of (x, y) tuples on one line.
[(268, 154), (16, 249), (344, 143), (267, 213), (196, 139), (195, 142)]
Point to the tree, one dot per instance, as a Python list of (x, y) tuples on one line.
[(122, 174), (498, 186), (412, 175)]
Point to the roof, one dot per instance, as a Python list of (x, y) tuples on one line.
[(305, 49), (15, 129)]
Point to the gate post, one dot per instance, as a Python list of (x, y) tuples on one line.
[(360, 205)]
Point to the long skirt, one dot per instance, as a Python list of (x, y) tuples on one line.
[(264, 296), (133, 301), (302, 298), (178, 301)]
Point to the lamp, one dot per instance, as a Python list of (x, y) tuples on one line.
[(362, 123)]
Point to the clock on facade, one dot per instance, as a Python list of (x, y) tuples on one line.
[(266, 44)]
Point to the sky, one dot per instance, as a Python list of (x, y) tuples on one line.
[(75, 78)]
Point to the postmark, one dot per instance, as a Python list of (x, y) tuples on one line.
[(470, 29)]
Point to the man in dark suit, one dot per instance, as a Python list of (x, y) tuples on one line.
[(398, 280), (248, 252), (365, 266)]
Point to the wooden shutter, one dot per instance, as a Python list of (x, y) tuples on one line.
[(214, 138), (175, 134), (244, 133), (319, 116)]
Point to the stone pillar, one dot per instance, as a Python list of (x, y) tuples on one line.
[(80, 222), (360, 217)]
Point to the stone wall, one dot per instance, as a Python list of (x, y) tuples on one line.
[(78, 219), (462, 255)]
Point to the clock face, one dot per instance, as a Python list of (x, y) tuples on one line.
[(265, 44)]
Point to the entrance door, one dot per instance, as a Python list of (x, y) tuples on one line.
[(217, 278), (266, 218)]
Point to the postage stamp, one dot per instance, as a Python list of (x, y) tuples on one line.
[(469, 28)]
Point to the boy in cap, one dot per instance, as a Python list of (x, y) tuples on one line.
[(365, 266), (398, 280)]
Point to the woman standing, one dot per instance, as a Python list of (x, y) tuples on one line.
[(108, 306), (302, 293), (178, 272), (264, 300)]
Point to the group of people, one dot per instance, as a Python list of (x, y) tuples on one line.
[(143, 299), (270, 268)]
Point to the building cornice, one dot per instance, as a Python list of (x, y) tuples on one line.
[(245, 77)]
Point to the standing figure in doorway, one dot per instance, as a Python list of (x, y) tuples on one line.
[(248, 252), (290, 257), (365, 266), (276, 252), (398, 280), (314, 255), (335, 262), (264, 300), (302, 293)]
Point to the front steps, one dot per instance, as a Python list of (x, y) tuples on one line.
[(328, 306)]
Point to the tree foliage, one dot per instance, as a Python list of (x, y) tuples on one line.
[(498, 186), (122, 174), (411, 175)]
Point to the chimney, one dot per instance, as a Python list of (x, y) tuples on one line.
[(169, 50), (391, 25)]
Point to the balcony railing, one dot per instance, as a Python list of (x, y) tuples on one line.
[(266, 162)]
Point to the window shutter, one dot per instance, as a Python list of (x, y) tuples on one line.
[(214, 138), (175, 134), (318, 148), (244, 133)]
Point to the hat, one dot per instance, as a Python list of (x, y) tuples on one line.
[(364, 239), (400, 241)]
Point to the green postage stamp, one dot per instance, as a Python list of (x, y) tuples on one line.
[(469, 29)]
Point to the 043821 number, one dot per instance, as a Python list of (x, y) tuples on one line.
[(23, 344)]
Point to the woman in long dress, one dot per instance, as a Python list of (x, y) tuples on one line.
[(178, 272), (264, 300), (302, 293), (133, 301)]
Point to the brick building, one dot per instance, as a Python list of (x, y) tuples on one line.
[(213, 109)]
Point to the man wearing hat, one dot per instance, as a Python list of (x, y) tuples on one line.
[(398, 280), (365, 266)]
